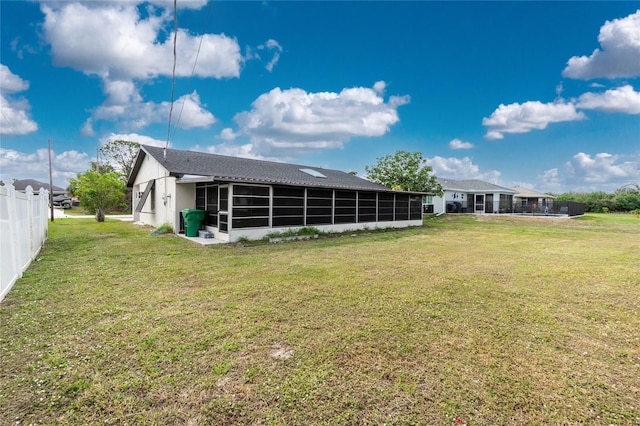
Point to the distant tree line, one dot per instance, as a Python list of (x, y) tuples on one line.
[(622, 200)]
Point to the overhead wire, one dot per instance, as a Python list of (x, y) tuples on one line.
[(193, 70), (173, 74)]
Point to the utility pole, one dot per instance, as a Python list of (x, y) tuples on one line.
[(50, 182)]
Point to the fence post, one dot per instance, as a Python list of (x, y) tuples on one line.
[(20, 242), (10, 261)]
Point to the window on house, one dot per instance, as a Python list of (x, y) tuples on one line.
[(224, 198), (319, 208), (402, 207), (427, 199), (367, 206), (345, 207), (148, 191), (415, 207), (313, 173), (385, 206), (223, 226), (288, 206), (250, 206), (207, 199), (506, 203), (212, 205), (201, 196)]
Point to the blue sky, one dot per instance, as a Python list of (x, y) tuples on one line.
[(544, 95)]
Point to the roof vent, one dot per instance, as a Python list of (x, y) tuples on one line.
[(313, 173)]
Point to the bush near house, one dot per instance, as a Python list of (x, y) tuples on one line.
[(623, 200)]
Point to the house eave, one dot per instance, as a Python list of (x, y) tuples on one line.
[(230, 179)]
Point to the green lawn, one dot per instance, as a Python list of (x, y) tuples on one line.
[(478, 320)]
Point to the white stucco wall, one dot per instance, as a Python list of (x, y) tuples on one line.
[(161, 206), (440, 202), (467, 199)]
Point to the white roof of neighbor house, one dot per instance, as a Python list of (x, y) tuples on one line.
[(472, 185), (530, 193)]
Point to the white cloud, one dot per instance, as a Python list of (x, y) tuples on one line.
[(126, 49), (113, 41), (188, 112), (460, 168), (19, 165), (379, 87), (271, 45), (458, 144), (188, 4), (559, 90), (247, 150), (11, 83), (227, 134), (132, 137), (296, 120), (14, 117), (87, 128), (522, 118), (586, 173), (602, 168), (619, 55), (621, 99), (14, 111)]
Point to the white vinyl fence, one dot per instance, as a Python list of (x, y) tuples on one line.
[(23, 231)]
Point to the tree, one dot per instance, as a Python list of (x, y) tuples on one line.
[(99, 192), (626, 199), (101, 167), (121, 155), (404, 171)]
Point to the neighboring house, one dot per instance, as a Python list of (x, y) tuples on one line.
[(252, 198), (529, 201), (21, 185), (471, 196)]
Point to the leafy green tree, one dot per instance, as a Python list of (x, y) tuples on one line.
[(623, 200), (121, 155), (404, 171), (101, 167), (626, 200), (595, 202), (99, 192)]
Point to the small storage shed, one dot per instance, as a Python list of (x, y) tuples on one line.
[(245, 198)]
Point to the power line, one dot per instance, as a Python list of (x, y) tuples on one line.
[(173, 74), (193, 71)]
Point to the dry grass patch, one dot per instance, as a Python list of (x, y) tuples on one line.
[(485, 320)]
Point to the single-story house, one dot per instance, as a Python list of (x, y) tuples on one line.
[(471, 196), (21, 185), (245, 198), (529, 201)]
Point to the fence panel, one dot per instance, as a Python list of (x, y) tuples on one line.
[(23, 231)]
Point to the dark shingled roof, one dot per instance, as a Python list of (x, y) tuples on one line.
[(21, 185), (472, 185), (243, 170)]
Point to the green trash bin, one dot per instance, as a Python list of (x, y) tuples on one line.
[(192, 221)]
